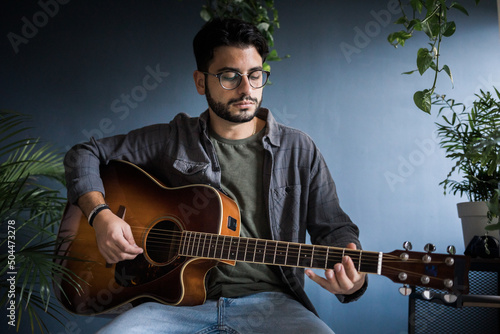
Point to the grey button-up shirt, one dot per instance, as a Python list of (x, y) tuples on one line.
[(300, 193)]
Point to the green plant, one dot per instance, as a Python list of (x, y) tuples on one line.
[(471, 138), (431, 18), (30, 211), (252, 11)]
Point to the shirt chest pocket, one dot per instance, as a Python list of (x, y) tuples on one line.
[(287, 210), (188, 172)]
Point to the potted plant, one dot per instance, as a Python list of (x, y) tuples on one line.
[(471, 138), (30, 211)]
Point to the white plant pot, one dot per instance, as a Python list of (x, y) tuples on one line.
[(474, 220)]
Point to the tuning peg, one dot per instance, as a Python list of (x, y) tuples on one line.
[(407, 245), (449, 298), (405, 290), (451, 250), (427, 294), (429, 248)]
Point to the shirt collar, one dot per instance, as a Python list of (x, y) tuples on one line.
[(272, 126)]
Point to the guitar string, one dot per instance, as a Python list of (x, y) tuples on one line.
[(320, 254), (369, 258), (282, 245), (238, 253), (168, 235), (176, 236), (273, 246)]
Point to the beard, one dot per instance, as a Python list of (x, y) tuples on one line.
[(222, 110)]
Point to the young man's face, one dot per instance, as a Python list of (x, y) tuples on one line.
[(238, 105)]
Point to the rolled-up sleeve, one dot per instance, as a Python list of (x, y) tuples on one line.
[(82, 161)]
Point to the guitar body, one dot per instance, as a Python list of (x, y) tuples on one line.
[(153, 211)]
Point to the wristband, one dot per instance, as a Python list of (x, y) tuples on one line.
[(95, 211)]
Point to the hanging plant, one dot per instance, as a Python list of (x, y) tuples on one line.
[(252, 11), (431, 18)]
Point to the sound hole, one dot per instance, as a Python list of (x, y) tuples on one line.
[(163, 242)]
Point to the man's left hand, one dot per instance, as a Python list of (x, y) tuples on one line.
[(343, 279)]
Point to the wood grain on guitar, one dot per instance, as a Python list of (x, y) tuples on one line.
[(188, 230)]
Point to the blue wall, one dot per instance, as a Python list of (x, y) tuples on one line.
[(81, 73)]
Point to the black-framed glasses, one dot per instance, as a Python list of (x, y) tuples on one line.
[(232, 79)]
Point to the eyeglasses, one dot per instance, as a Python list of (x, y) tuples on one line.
[(232, 79)]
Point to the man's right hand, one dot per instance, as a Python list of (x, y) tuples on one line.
[(114, 238)]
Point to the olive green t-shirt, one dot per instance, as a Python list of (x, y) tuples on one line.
[(241, 164)]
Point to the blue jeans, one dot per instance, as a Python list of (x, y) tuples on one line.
[(266, 312)]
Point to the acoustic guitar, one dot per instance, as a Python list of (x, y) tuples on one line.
[(186, 231)]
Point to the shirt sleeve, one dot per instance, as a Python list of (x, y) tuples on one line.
[(328, 223), (141, 147)]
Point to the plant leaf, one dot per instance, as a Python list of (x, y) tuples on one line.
[(422, 100), (448, 71), (448, 29), (461, 8), (424, 60)]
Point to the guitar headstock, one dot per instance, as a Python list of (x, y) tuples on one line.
[(427, 269)]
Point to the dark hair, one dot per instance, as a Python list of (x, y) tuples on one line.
[(226, 32)]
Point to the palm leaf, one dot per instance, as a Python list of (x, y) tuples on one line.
[(31, 177)]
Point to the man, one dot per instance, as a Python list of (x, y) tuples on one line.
[(276, 175)]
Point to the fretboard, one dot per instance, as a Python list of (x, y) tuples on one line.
[(271, 252)]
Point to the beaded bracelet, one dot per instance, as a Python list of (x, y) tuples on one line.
[(95, 211)]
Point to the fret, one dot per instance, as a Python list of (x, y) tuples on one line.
[(222, 247), (275, 250), (254, 250), (270, 252), (186, 244), (209, 245), (229, 247), (246, 249), (183, 242), (298, 255), (312, 258), (198, 246), (204, 242), (193, 244), (359, 261), (292, 254), (286, 252), (326, 258), (334, 257), (319, 257), (264, 254), (280, 253), (353, 254), (232, 245), (370, 262), (259, 254), (305, 256), (215, 246), (237, 249)]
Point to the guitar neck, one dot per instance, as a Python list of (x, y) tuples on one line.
[(271, 252)]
